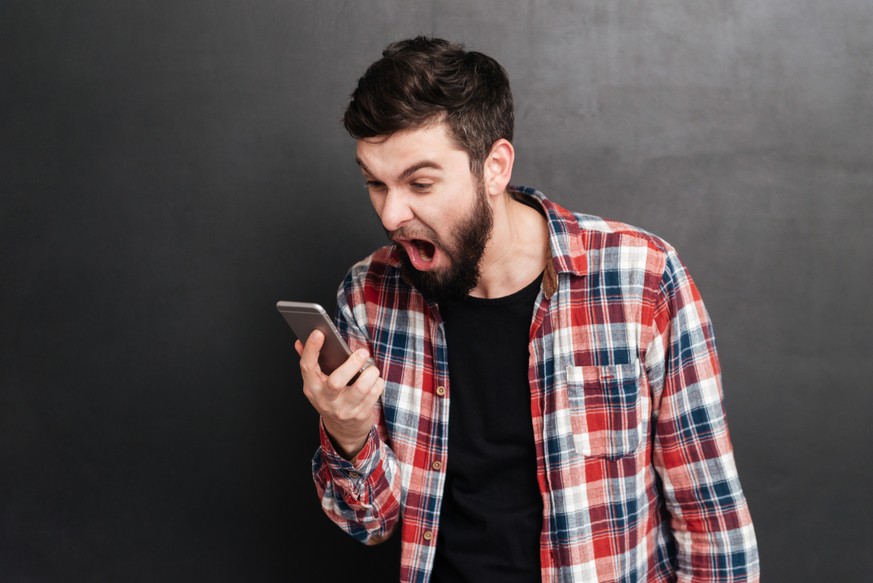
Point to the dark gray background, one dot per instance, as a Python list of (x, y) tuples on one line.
[(170, 169)]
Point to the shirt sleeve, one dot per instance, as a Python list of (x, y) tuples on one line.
[(362, 495), (357, 495), (692, 452)]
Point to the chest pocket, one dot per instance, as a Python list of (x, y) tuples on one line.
[(605, 409)]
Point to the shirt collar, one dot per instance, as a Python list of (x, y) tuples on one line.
[(565, 244)]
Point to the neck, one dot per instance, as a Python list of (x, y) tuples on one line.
[(517, 251)]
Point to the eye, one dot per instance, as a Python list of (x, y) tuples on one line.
[(421, 187), (374, 185)]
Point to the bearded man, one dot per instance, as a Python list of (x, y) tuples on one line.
[(546, 400)]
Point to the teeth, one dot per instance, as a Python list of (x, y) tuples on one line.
[(425, 250)]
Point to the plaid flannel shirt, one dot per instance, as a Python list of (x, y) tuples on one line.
[(635, 463)]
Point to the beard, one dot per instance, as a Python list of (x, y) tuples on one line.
[(470, 239)]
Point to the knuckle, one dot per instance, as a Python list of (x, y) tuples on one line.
[(334, 385), (369, 376)]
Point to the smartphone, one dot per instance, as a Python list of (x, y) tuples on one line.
[(304, 317)]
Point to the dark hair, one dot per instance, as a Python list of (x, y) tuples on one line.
[(424, 80)]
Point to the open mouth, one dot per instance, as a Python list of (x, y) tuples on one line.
[(425, 249), (420, 252)]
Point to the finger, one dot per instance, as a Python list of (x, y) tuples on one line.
[(365, 380), (309, 355), (367, 406), (359, 399), (344, 373)]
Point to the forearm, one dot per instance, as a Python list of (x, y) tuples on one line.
[(693, 454), (362, 495), (712, 526)]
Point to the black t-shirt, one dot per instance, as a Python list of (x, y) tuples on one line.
[(492, 512)]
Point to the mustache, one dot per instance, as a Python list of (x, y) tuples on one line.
[(406, 233)]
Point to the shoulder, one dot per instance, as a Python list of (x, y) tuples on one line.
[(621, 248), (377, 268), (580, 232), (585, 244), (380, 261), (609, 232), (376, 280)]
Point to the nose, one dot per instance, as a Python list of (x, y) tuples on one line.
[(395, 210)]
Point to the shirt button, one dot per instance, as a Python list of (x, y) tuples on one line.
[(441, 391), (354, 475), (437, 465), (428, 535)]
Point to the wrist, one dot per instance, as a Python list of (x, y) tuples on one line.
[(345, 443)]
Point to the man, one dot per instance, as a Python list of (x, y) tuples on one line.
[(546, 402)]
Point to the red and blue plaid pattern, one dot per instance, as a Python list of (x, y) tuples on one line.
[(635, 463)]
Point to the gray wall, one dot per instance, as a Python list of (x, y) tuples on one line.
[(169, 170)]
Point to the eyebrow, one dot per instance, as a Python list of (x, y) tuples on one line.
[(406, 173)]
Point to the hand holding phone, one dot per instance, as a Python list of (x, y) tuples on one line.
[(306, 317), (348, 415)]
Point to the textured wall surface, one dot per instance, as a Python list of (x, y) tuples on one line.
[(169, 170)]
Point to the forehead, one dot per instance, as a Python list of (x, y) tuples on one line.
[(396, 152)]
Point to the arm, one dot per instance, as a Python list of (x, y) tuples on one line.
[(692, 451), (355, 472)]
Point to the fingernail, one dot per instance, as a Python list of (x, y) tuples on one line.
[(362, 354)]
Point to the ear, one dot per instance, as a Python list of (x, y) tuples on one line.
[(497, 169)]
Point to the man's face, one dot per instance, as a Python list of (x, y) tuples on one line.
[(431, 205)]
